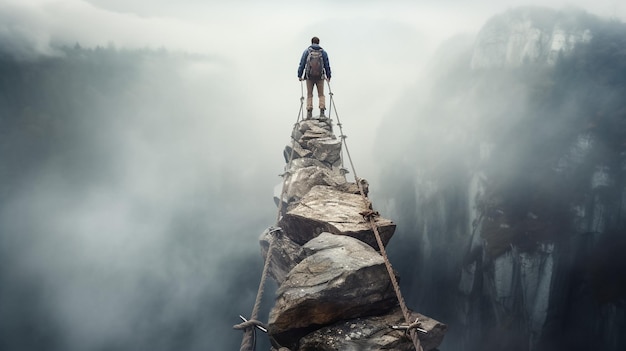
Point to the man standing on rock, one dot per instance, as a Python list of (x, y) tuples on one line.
[(314, 67)]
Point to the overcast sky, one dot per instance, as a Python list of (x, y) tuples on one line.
[(376, 48)]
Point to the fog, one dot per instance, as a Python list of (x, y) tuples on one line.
[(143, 234)]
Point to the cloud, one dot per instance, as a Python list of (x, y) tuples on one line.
[(190, 152), (233, 26), (136, 222), (23, 30)]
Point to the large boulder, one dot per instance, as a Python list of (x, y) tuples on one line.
[(300, 181), (312, 129), (314, 139), (296, 151), (303, 163), (285, 253), (342, 278), (326, 150), (326, 209), (374, 333)]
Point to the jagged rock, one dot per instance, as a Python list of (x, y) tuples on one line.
[(316, 133), (373, 333), (341, 279), (285, 255), (298, 151), (353, 188), (292, 168), (332, 277), (303, 163), (316, 140), (300, 182), (528, 35), (326, 149), (325, 209), (325, 122), (311, 129)]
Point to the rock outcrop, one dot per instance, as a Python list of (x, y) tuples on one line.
[(528, 36), (326, 209), (373, 333), (341, 278), (516, 211), (334, 291)]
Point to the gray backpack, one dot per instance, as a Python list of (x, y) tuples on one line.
[(314, 64)]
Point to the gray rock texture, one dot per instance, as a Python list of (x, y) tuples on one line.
[(326, 209), (373, 333), (285, 254), (301, 180), (341, 278), (334, 291), (528, 35), (517, 237)]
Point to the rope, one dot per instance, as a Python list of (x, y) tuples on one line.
[(370, 216), (293, 147), (248, 342), (341, 135)]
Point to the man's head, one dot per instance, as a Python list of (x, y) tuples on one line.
[(315, 40)]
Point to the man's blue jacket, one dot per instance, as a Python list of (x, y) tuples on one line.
[(303, 61)]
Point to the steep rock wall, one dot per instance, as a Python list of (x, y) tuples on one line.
[(528, 35), (517, 176)]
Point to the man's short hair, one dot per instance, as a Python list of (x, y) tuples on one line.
[(315, 40)]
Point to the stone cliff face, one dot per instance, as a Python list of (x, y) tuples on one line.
[(528, 35), (514, 192), (334, 290)]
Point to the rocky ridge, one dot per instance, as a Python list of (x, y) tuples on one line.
[(334, 290)]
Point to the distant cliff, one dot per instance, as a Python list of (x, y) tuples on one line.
[(529, 35), (510, 194)]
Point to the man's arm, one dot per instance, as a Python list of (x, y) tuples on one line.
[(326, 64), (302, 64)]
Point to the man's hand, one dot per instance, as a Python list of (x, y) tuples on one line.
[(300, 79)]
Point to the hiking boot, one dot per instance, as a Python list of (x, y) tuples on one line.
[(309, 114), (322, 112)]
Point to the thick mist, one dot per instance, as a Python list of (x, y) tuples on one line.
[(524, 158), (140, 143), (130, 209)]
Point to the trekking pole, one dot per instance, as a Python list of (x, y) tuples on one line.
[(301, 112), (330, 93)]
